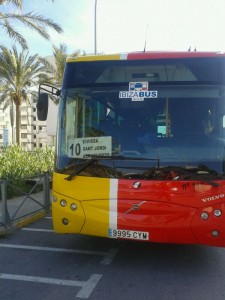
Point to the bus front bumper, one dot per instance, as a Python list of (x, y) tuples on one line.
[(153, 221)]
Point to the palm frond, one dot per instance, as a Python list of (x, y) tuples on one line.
[(17, 3), (12, 32), (35, 21)]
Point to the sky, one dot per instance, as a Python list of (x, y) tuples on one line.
[(128, 25)]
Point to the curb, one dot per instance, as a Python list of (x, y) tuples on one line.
[(22, 223)]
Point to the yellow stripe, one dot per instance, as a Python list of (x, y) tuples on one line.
[(94, 57), (91, 195)]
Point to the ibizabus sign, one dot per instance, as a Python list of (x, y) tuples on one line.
[(138, 91)]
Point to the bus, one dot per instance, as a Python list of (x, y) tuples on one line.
[(140, 151)]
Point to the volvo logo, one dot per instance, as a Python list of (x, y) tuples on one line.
[(135, 206), (217, 197)]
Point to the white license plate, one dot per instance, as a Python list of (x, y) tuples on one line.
[(128, 234)]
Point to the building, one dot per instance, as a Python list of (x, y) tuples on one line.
[(35, 134), (5, 127)]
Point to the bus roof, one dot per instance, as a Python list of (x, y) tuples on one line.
[(146, 55)]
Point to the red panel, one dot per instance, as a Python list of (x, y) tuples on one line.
[(187, 193), (170, 211), (158, 55), (165, 222), (203, 229)]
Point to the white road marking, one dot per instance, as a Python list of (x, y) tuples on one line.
[(107, 256), (37, 229), (87, 287)]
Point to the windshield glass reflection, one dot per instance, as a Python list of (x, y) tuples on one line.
[(182, 126)]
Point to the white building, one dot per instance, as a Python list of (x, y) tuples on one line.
[(34, 133), (5, 127)]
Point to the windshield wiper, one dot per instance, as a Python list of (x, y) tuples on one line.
[(87, 162), (185, 171), (80, 168), (194, 172)]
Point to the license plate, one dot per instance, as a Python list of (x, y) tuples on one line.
[(128, 234)]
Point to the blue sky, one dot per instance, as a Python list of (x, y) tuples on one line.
[(124, 25)]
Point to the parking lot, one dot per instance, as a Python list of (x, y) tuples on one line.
[(36, 263)]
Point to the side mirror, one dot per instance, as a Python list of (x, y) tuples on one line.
[(42, 107)]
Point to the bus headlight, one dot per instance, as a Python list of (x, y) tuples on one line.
[(65, 221), (63, 203), (215, 233), (73, 206), (217, 212), (204, 215)]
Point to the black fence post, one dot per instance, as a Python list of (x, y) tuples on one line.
[(46, 187), (5, 213)]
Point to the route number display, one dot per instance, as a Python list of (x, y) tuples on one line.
[(91, 146)]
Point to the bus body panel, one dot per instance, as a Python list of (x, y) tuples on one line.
[(210, 231), (147, 55), (61, 214), (137, 210), (80, 191)]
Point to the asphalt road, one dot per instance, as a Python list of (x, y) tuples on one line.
[(36, 263)]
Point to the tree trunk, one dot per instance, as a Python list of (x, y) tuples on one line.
[(18, 123), (12, 120)]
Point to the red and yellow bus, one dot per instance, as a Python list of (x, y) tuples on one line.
[(140, 151)]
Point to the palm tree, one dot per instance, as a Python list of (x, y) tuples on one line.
[(60, 54), (56, 66), (19, 73), (34, 21)]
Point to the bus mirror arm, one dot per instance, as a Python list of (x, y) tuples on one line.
[(49, 89), (43, 95)]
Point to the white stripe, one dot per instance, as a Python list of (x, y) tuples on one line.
[(107, 259), (37, 229), (113, 203), (87, 287), (107, 256), (123, 56)]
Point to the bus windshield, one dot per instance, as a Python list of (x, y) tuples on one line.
[(138, 117)]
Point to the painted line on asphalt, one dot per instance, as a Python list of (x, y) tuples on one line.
[(37, 229), (87, 287), (107, 256)]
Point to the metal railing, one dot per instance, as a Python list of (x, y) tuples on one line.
[(23, 199)]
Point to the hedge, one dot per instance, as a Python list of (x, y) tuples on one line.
[(16, 163)]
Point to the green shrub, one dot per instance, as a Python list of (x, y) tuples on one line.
[(16, 163)]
